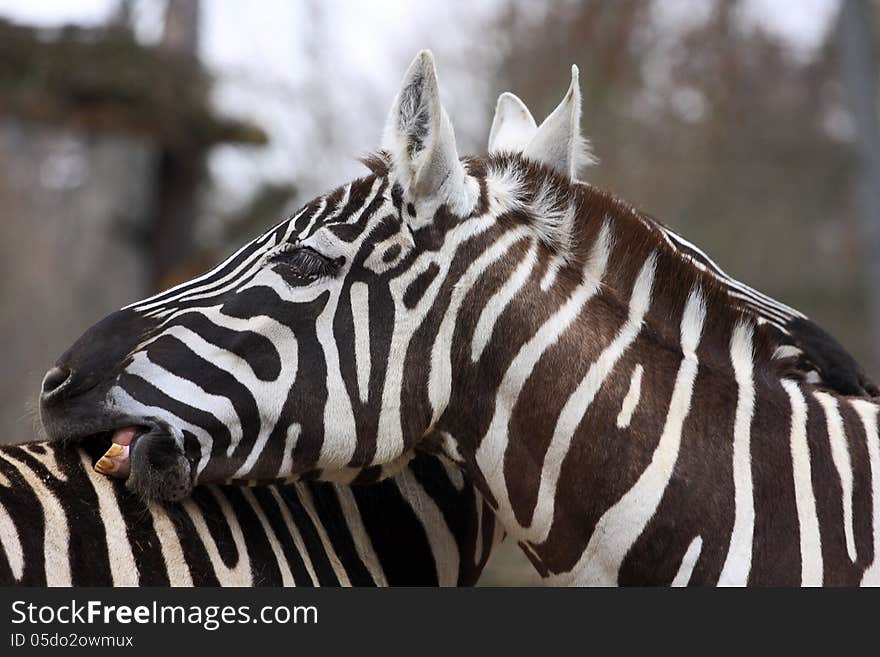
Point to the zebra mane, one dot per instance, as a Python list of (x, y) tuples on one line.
[(566, 215), (378, 162)]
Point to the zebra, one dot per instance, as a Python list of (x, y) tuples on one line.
[(63, 524), (817, 354), (628, 416)]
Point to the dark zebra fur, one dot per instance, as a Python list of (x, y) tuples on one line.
[(61, 523)]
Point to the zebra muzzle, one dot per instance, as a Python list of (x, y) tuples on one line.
[(115, 461)]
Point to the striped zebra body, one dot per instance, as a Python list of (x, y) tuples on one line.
[(63, 524), (630, 413), (671, 448)]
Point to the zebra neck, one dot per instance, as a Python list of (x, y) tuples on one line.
[(613, 457), (638, 429)]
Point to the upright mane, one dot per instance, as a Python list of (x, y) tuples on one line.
[(566, 215)]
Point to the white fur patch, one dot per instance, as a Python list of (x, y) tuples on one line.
[(631, 400), (123, 569), (738, 563), (11, 544), (868, 414), (805, 499), (360, 317), (688, 562), (840, 457)]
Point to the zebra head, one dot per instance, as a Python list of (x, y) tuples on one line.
[(318, 347)]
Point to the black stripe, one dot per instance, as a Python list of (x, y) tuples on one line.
[(272, 509), (255, 349), (311, 540), (332, 517), (387, 516)]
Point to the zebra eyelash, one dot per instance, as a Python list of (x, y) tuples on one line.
[(301, 262)]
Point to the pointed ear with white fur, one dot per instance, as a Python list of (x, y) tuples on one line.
[(513, 126), (558, 142), (421, 142)]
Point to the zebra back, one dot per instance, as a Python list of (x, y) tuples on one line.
[(62, 524)]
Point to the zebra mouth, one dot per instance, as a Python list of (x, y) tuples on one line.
[(115, 462), (149, 457)]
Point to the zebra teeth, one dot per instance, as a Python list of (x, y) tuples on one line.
[(115, 462), (115, 450)]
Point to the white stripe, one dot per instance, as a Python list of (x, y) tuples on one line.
[(622, 524), (322, 205), (172, 551), (440, 372), (56, 535), (360, 318), (805, 499), (11, 544), (553, 266), (340, 430), (243, 278), (277, 550), (123, 569), (726, 278), (771, 314), (688, 562), (738, 563), (284, 340), (632, 398), (49, 458), (868, 414), (840, 456), (576, 407), (240, 574), (290, 441), (291, 225), (294, 532), (443, 544), (207, 277), (305, 497), (490, 454), (374, 190), (145, 306), (364, 547), (786, 351), (500, 300)]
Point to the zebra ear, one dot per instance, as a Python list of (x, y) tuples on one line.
[(513, 126), (421, 142), (558, 142)]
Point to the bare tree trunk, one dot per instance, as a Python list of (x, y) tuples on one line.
[(180, 169), (181, 32), (858, 73)]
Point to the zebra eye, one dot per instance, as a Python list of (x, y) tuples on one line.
[(300, 265)]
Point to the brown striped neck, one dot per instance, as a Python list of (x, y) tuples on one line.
[(598, 378)]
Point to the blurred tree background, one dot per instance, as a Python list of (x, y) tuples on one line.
[(149, 137)]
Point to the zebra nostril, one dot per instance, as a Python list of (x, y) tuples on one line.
[(54, 379)]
